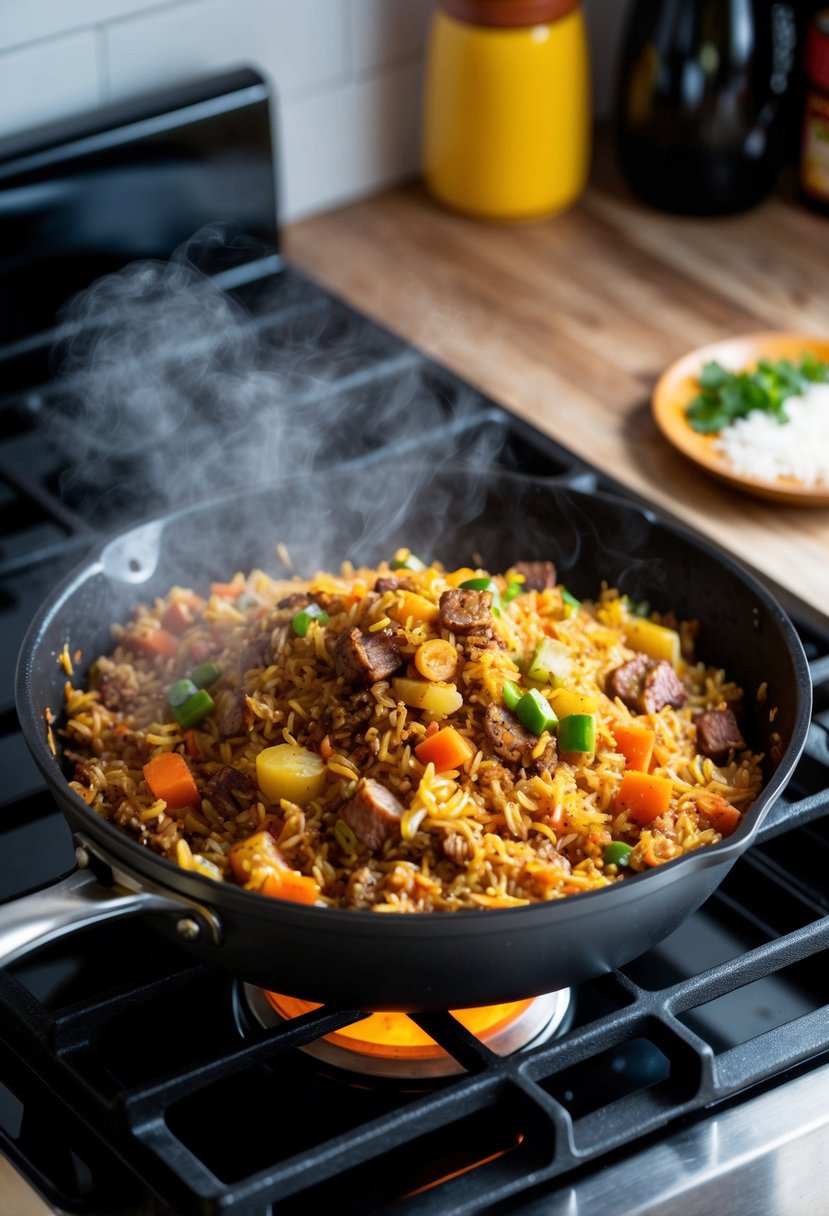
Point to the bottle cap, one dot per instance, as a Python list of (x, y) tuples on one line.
[(508, 13)]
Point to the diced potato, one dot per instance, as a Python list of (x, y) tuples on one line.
[(437, 699), (566, 701), (252, 860), (259, 866), (410, 605), (292, 772), (550, 664), (654, 640)]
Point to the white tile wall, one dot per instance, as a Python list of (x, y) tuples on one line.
[(348, 73)]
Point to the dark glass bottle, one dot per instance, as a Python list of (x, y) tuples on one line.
[(700, 117)]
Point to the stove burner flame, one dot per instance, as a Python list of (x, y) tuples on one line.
[(393, 1045)]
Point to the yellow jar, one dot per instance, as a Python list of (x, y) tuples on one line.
[(507, 114)]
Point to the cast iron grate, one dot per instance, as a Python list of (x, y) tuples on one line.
[(126, 1061)]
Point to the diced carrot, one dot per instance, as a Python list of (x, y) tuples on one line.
[(446, 749), (357, 592), (160, 642), (719, 813), (178, 617), (169, 778), (228, 590), (643, 796), (636, 745), (191, 743), (290, 884)]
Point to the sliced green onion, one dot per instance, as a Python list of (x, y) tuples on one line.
[(479, 584), (617, 853), (205, 674), (312, 612), (511, 592), (180, 692), (511, 695), (412, 562), (194, 710), (577, 733), (535, 712), (344, 836)]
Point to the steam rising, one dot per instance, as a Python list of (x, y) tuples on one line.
[(175, 394)]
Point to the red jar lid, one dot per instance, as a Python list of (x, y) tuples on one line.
[(508, 13), (817, 50)]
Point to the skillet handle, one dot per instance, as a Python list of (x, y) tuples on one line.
[(76, 901)]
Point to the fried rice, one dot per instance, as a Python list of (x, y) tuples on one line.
[(382, 823)]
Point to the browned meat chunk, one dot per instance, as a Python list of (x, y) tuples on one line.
[(510, 739), (537, 575), (487, 639), (625, 682), (718, 734), (363, 658), (456, 848), (391, 582), (253, 654), (662, 686), (646, 685), (236, 717), (373, 813), (297, 600), (465, 610), (230, 791)]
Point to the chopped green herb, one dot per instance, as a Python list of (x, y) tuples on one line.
[(571, 604), (410, 562), (204, 674), (180, 692), (577, 733), (511, 592), (194, 710), (511, 694), (535, 712), (726, 395), (312, 612)]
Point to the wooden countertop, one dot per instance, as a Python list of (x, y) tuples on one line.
[(569, 321)]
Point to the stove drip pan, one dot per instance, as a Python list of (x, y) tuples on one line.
[(394, 1046)]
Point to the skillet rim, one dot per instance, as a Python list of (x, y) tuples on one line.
[(210, 892)]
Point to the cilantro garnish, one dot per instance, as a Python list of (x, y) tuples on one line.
[(726, 395)]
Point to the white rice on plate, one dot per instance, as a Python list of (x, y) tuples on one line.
[(759, 446)]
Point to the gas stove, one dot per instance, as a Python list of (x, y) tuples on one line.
[(134, 1081)]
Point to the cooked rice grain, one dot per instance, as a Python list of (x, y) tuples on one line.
[(486, 834)]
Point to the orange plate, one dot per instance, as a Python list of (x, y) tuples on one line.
[(678, 386)]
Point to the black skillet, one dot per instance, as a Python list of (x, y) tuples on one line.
[(407, 962)]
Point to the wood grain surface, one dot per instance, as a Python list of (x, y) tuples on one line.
[(569, 322)]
